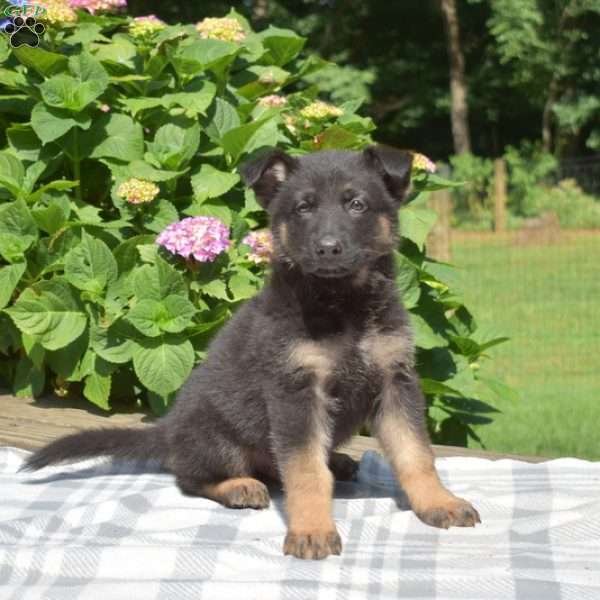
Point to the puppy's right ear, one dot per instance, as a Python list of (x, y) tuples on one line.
[(266, 173)]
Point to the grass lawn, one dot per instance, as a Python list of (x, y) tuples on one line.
[(547, 299)]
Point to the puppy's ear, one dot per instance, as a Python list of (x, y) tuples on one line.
[(266, 173), (393, 166)]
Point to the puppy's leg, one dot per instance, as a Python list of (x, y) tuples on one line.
[(400, 427), (235, 492), (308, 485), (208, 462)]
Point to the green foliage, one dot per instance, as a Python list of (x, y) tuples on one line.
[(527, 167), (471, 201), (574, 208), (89, 302)]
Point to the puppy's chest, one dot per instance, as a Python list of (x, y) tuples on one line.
[(352, 359)]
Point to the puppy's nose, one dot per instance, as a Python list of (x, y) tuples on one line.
[(329, 246)]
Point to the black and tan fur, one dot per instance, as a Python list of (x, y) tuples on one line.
[(324, 348)]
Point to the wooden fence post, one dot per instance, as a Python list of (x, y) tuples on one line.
[(499, 195), (438, 241)]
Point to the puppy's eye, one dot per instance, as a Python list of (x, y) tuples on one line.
[(356, 205), (303, 207)]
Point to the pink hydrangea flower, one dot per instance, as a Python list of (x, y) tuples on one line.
[(261, 243), (422, 163), (94, 6), (202, 238)]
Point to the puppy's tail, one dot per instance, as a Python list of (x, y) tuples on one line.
[(125, 444)]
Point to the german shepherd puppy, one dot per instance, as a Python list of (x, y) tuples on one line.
[(323, 348)]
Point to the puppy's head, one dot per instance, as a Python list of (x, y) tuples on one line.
[(332, 212)]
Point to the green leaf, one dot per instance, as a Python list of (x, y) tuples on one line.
[(9, 278), (407, 280), (126, 253), (499, 388), (44, 62), (91, 266), (85, 33), (68, 362), (163, 364), (88, 70), (175, 144), (241, 286), (153, 317), (202, 54), (158, 403), (222, 119), (51, 312), (18, 230), (114, 343), (236, 140), (64, 91), (196, 98), (433, 387), (158, 215), (119, 137), (157, 281), (11, 174), (51, 123), (429, 182), (11, 167), (416, 223), (337, 137), (283, 45), (212, 183), (97, 385), (216, 289), (141, 170), (59, 184), (119, 54), (425, 336), (33, 173), (211, 208), (24, 142), (29, 379)]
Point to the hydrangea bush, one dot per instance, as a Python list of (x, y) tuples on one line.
[(126, 236)]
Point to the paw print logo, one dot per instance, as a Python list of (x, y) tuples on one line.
[(24, 32)]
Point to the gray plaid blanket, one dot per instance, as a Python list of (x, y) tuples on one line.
[(103, 531)]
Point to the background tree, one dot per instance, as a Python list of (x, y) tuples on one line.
[(459, 109)]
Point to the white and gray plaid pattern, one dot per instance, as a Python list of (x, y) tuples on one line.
[(102, 531)]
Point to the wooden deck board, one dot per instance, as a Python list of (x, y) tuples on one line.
[(29, 424)]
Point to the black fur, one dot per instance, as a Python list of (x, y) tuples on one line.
[(246, 408)]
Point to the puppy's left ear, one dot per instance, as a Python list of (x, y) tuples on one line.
[(266, 173), (394, 167)]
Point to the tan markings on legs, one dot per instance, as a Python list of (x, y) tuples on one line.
[(308, 485), (412, 460), (387, 350), (237, 492), (307, 480)]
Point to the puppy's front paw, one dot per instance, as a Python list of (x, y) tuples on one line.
[(455, 512), (312, 545)]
